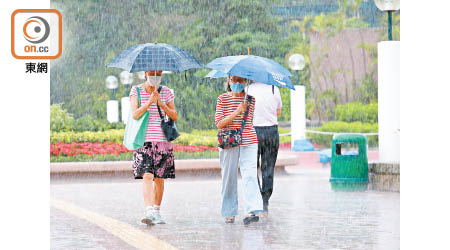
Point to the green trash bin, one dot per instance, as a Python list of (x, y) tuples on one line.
[(349, 165)]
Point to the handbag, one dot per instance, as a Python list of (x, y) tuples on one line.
[(168, 126), (233, 137), (135, 130)]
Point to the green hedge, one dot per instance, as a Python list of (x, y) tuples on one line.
[(196, 137), (209, 138), (354, 111), (112, 135), (205, 138), (286, 138), (339, 126)]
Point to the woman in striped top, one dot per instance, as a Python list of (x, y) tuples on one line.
[(154, 161), (230, 112)]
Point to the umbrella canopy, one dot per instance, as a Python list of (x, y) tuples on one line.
[(154, 56), (255, 68), (216, 74)]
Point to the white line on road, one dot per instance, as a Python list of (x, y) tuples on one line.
[(124, 231)]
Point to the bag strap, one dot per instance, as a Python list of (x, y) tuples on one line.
[(139, 95), (246, 113), (159, 110)]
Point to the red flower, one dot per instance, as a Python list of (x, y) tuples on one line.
[(89, 148)]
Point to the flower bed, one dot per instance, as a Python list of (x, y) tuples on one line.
[(107, 145), (111, 148), (110, 151)]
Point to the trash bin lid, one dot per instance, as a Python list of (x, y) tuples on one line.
[(349, 137)]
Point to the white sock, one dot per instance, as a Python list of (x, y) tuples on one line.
[(156, 208), (149, 208)]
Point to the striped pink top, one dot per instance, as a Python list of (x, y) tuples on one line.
[(154, 130), (227, 104)]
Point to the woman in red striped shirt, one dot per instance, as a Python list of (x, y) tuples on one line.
[(154, 161), (230, 112)]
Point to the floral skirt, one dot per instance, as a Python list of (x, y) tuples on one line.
[(156, 158)]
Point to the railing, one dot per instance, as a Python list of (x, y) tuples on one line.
[(329, 133)]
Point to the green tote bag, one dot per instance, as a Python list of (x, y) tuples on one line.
[(135, 130)]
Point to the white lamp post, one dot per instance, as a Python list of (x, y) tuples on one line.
[(298, 114), (126, 79), (388, 6), (112, 106), (389, 90)]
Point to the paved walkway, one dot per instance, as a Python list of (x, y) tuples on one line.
[(304, 214)]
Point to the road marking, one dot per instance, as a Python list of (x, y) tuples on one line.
[(131, 235)]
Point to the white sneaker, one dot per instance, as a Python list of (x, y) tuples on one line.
[(148, 218), (157, 219)]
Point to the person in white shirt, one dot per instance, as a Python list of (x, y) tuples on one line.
[(267, 108)]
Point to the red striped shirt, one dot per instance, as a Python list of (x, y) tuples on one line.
[(154, 131), (227, 104)]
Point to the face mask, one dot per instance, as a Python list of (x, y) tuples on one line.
[(237, 87), (154, 80)]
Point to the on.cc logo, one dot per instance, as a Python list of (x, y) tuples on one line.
[(36, 34), (36, 29)]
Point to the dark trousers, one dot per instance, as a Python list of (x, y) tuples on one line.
[(268, 144)]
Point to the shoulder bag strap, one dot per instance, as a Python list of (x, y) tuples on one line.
[(139, 95), (159, 110), (246, 113)]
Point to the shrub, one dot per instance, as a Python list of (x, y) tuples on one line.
[(339, 126), (196, 137), (62, 121), (354, 111), (286, 138), (88, 123), (198, 140)]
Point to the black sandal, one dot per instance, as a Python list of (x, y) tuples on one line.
[(250, 219)]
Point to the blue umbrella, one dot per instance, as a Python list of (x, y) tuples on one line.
[(216, 74), (255, 68), (154, 56)]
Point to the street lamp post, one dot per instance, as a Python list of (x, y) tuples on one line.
[(298, 112), (126, 79), (296, 62), (389, 91), (388, 6), (112, 106)]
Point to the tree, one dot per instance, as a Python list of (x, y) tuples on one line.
[(96, 31)]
